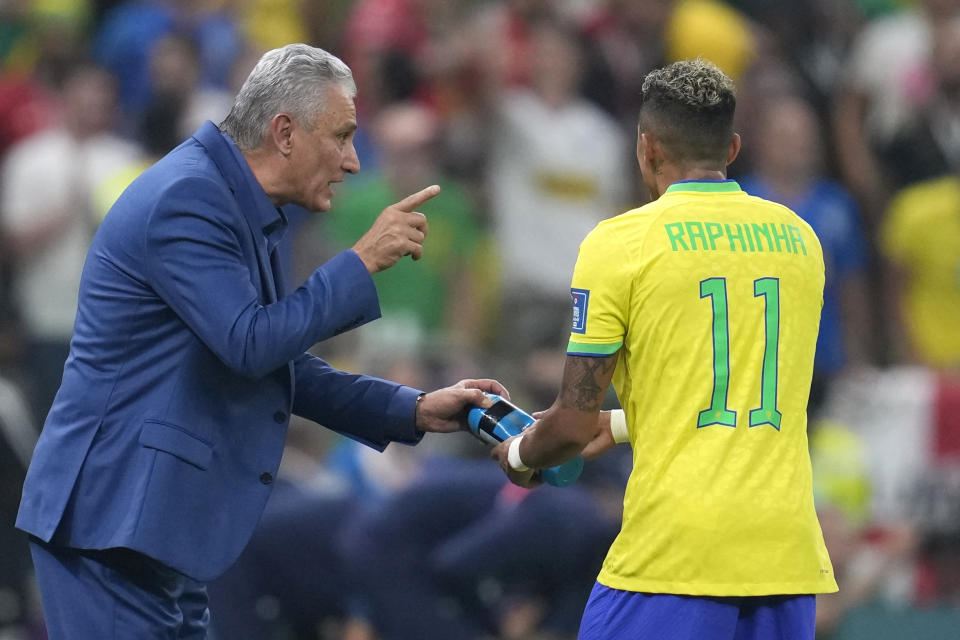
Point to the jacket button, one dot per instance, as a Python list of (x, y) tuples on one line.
[(279, 417), (266, 477)]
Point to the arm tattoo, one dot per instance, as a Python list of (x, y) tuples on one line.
[(585, 381)]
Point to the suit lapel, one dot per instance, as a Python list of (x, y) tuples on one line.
[(253, 203)]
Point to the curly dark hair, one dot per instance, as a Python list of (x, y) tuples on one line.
[(689, 106)]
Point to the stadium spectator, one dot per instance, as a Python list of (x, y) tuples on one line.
[(188, 356), (920, 239), (471, 64), (129, 31), (928, 145), (629, 38), (383, 42), (500, 40), (887, 71), (439, 300), (557, 166), (18, 434), (268, 24), (712, 30), (812, 39), (866, 558), (459, 554), (179, 103), (48, 212), (788, 167)]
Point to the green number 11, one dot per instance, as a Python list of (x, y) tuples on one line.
[(717, 412)]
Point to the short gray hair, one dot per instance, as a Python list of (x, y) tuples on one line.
[(290, 79)]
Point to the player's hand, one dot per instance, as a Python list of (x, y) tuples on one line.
[(398, 231), (602, 441), (526, 479), (445, 410)]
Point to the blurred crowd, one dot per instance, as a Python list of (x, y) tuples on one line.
[(524, 111)]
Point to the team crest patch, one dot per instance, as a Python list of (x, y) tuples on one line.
[(581, 298)]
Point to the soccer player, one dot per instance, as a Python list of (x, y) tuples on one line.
[(702, 307)]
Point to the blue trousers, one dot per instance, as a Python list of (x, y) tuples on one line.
[(116, 594), (612, 614)]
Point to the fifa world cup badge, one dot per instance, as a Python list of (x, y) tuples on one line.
[(581, 298)]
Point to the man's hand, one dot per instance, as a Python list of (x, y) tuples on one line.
[(527, 479), (445, 410), (398, 231), (603, 440)]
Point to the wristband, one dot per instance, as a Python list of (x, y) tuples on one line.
[(618, 426), (513, 455)]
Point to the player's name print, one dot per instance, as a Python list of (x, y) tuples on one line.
[(746, 236)]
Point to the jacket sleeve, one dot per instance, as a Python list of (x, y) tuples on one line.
[(195, 263), (370, 410)]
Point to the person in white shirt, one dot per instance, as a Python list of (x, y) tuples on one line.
[(49, 184)]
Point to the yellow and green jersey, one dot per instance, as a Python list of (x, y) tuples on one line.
[(713, 298)]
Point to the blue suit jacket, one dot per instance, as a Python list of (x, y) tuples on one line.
[(185, 363)]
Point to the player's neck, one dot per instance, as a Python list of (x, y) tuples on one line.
[(670, 174)]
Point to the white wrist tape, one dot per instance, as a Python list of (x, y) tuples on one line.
[(618, 426), (513, 456)]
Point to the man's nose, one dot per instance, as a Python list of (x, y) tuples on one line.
[(351, 162)]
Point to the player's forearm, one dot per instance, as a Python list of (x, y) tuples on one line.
[(557, 437)]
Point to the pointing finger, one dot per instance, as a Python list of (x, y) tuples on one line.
[(411, 202)]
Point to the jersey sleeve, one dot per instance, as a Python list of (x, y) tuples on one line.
[(600, 293)]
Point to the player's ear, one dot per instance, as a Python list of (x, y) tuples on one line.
[(645, 148), (734, 149), (650, 152), (281, 133)]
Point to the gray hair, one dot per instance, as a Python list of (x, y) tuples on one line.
[(291, 79)]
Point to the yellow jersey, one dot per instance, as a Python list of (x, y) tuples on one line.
[(713, 299), (921, 233)]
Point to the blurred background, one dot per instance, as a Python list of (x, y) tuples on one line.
[(525, 112)]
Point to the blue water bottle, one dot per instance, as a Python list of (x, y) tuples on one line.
[(504, 420)]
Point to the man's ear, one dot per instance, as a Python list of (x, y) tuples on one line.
[(281, 133), (650, 153), (644, 148), (734, 149)]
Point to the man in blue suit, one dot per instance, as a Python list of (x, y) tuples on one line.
[(188, 357)]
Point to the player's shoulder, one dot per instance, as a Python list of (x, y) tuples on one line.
[(762, 207), (634, 220), (612, 236)]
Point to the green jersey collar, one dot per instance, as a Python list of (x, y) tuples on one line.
[(704, 186)]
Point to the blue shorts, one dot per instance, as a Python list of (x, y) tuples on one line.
[(612, 614)]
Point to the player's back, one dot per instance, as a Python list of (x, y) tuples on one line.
[(720, 304)]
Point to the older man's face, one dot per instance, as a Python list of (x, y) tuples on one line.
[(323, 156)]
